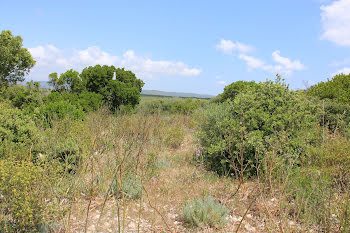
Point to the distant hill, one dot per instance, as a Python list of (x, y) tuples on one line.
[(175, 94), (45, 84)]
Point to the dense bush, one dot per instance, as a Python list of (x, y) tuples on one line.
[(232, 90), (336, 116), (17, 131), (24, 206), (338, 88), (59, 110), (235, 134), (204, 211), (333, 159)]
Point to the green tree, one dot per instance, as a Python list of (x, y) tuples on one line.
[(97, 77), (15, 61), (125, 89)]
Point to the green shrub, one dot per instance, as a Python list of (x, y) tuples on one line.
[(257, 120), (59, 110), (336, 116), (333, 159), (338, 89), (204, 212), (232, 90), (17, 131), (67, 141), (310, 197), (132, 187), (24, 206)]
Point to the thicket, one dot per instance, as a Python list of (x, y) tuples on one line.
[(238, 132), (295, 143)]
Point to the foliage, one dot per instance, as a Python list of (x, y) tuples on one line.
[(17, 130), (204, 211), (258, 120), (174, 136), (170, 105), (59, 110), (122, 89), (232, 90), (132, 187), (338, 89), (336, 116), (23, 203), (333, 159), (69, 81), (15, 61), (87, 101)]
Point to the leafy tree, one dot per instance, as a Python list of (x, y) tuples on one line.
[(338, 89), (96, 78), (15, 61), (125, 89), (69, 81), (54, 80)]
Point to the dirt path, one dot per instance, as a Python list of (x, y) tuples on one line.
[(179, 180)]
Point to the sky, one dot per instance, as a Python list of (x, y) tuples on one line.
[(187, 45)]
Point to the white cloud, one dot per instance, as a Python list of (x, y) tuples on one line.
[(221, 82), (345, 70), (286, 62), (335, 20), (228, 47), (284, 65), (51, 59), (217, 77)]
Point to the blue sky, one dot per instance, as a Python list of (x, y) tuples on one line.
[(187, 46)]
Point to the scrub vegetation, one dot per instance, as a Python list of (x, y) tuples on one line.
[(92, 155)]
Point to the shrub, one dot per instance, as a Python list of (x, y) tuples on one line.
[(310, 196), (17, 130), (132, 187), (59, 110), (333, 159), (204, 211), (336, 116), (170, 105), (269, 116), (174, 136), (24, 206), (66, 142), (232, 90), (338, 89)]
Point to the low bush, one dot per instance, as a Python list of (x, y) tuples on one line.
[(204, 211), (17, 131), (333, 159), (238, 133), (131, 189), (24, 203)]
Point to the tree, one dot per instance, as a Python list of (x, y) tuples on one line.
[(97, 77), (99, 80), (125, 89), (15, 61)]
